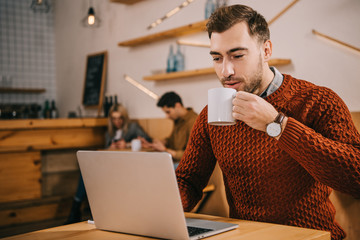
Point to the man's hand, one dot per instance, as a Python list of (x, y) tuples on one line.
[(144, 143), (158, 145), (253, 110), (121, 144)]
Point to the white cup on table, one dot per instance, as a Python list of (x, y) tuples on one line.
[(135, 145)]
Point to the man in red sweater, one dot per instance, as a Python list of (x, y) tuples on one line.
[(293, 141)]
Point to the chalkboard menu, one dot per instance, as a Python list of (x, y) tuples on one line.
[(95, 74)]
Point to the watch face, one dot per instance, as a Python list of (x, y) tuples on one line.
[(273, 129)]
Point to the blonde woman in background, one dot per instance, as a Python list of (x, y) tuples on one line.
[(121, 130), (119, 135)]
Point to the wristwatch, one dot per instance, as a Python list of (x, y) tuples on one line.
[(273, 129)]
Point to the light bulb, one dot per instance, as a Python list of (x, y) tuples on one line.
[(91, 19)]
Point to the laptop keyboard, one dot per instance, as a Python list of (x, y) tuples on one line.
[(196, 230)]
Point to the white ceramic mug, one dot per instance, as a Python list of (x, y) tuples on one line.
[(135, 145), (220, 106)]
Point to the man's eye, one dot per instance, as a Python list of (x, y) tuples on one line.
[(238, 56), (216, 59)]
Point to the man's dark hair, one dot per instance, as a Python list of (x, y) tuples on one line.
[(169, 99), (226, 17)]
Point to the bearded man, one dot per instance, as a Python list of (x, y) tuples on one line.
[(281, 174)]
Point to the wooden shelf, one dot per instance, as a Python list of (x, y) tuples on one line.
[(182, 74), (176, 32), (21, 90), (203, 71), (127, 2), (279, 61)]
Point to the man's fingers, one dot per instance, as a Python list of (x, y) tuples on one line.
[(244, 96), (238, 109), (237, 116)]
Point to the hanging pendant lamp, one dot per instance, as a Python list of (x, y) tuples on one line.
[(40, 6), (91, 20)]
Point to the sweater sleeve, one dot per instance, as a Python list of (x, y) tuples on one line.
[(196, 165), (330, 149)]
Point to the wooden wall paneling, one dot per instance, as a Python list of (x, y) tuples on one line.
[(13, 214), (157, 128), (30, 214), (60, 172), (62, 184), (55, 161), (20, 176)]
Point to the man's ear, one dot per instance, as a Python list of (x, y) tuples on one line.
[(267, 48)]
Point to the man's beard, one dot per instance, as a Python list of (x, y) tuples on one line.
[(254, 81)]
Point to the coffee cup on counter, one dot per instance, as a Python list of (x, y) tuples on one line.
[(220, 106), (135, 145)]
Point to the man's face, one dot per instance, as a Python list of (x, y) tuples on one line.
[(238, 59), (170, 112)]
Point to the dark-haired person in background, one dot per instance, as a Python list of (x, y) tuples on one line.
[(183, 118), (293, 141)]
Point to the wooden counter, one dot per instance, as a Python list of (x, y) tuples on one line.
[(36, 134), (246, 230), (23, 141), (39, 171)]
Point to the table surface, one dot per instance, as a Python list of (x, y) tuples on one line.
[(248, 230)]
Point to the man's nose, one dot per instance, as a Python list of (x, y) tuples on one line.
[(227, 68)]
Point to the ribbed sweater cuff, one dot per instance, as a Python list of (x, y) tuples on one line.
[(292, 133)]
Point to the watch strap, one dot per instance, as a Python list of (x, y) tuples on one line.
[(279, 118)]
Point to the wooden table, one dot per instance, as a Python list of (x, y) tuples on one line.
[(248, 230)]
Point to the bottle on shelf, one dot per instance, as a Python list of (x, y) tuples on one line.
[(46, 111), (179, 60), (210, 7), (220, 3), (54, 113), (115, 100), (171, 61), (106, 106), (110, 101)]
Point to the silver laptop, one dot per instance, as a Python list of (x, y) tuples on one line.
[(137, 193)]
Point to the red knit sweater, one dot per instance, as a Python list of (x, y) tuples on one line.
[(287, 181)]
